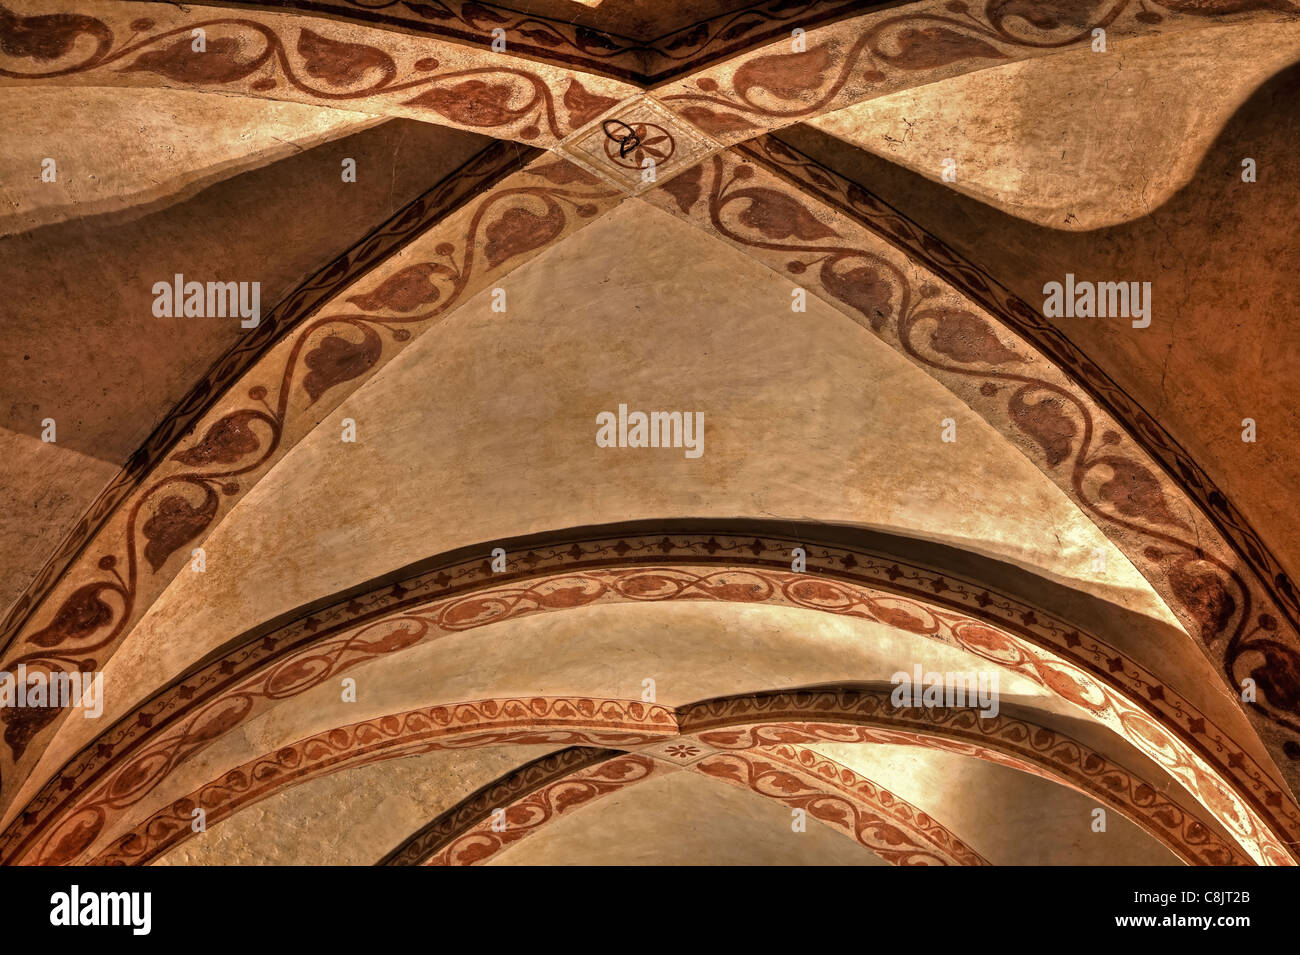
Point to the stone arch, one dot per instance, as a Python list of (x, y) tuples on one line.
[(741, 741), (574, 570)]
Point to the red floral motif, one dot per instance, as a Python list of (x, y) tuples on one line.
[(682, 751), (340, 63), (967, 338), (717, 123), (335, 360), (80, 615), (865, 288), (176, 522), (929, 47), (1201, 591), (1134, 492), (521, 230), (1046, 421), (652, 142), (406, 290), (220, 62), (786, 75), (225, 442), (473, 102), (584, 106), (50, 36), (563, 173), (777, 216)]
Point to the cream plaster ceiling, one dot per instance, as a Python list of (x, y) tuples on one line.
[(653, 823), (80, 291), (165, 145), (805, 418), (482, 429), (351, 817), (1080, 140), (945, 785), (1220, 253), (813, 421)]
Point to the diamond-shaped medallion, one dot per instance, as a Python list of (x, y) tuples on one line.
[(621, 145), (679, 750)]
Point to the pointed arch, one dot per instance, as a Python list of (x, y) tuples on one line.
[(571, 570), (334, 334), (1001, 358), (751, 741), (534, 795), (302, 58)]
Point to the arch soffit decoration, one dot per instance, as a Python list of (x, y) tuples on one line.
[(752, 741), (732, 75), (440, 251), (283, 659), (540, 792), (1124, 470), (553, 785), (1000, 357)]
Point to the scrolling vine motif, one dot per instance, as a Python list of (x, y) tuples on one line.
[(771, 720), (481, 172), (779, 88), (1046, 414), (755, 738), (527, 815), (127, 763), (326, 352), (875, 818), (413, 733), (554, 40), (321, 68), (480, 805), (794, 775), (599, 51)]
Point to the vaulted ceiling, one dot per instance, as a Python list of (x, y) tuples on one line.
[(364, 587)]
